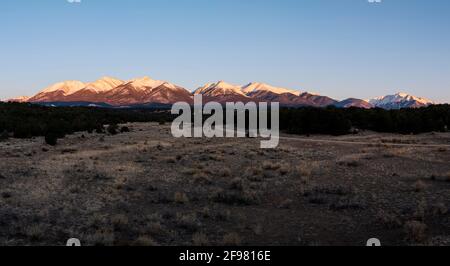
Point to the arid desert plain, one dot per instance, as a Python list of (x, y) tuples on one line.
[(145, 187)]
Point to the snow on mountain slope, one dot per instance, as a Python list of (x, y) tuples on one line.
[(58, 91), (219, 88), (145, 90), (103, 84), (256, 87), (145, 82), (112, 91), (67, 87), (400, 100)]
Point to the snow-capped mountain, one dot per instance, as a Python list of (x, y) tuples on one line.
[(257, 88), (222, 92), (114, 92), (400, 100), (103, 84), (144, 91), (58, 91), (220, 88)]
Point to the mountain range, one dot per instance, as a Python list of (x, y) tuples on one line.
[(145, 91)]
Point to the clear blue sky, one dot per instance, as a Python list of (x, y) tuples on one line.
[(339, 48)]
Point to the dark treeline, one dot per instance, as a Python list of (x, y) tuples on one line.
[(337, 121), (27, 120)]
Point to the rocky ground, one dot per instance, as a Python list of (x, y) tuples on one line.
[(147, 188)]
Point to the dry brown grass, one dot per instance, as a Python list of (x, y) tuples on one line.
[(181, 198), (200, 177), (236, 197), (285, 169), (200, 240), (353, 160), (189, 171), (120, 183), (224, 172), (272, 166), (258, 229), (421, 210), (231, 239), (187, 221), (101, 238), (144, 241), (447, 176), (170, 160), (440, 209), (286, 204), (116, 177), (254, 173), (415, 231), (119, 220), (35, 232), (419, 186), (304, 172), (237, 184), (392, 152), (389, 220)]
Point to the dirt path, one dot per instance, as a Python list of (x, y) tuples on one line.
[(364, 142)]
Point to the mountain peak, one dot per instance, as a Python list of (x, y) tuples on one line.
[(219, 88), (400, 100), (254, 87), (104, 84), (146, 82), (224, 85), (67, 87), (402, 94), (110, 79)]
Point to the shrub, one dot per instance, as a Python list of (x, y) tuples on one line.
[(51, 139), (440, 209), (200, 239), (187, 221), (447, 177), (419, 186), (35, 232), (6, 194), (416, 231), (236, 197), (124, 129), (267, 165), (100, 130), (181, 198), (4, 135), (113, 129), (144, 241)]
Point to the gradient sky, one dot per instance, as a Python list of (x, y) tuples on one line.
[(339, 48)]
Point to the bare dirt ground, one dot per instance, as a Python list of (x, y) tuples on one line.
[(147, 188)]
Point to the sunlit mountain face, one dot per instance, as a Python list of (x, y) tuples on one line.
[(116, 92)]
